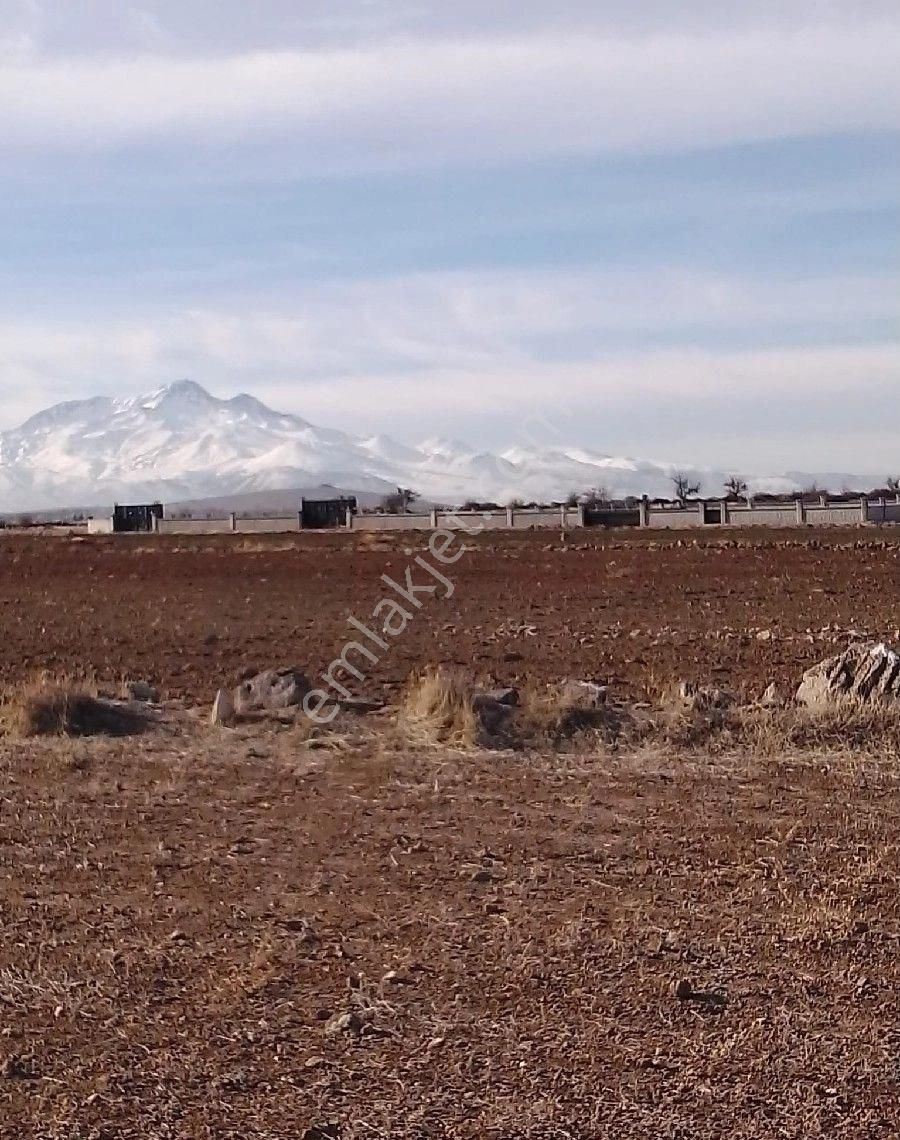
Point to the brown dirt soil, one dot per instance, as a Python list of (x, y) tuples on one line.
[(270, 932), (212, 933), (635, 611)]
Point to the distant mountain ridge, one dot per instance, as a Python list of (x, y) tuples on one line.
[(181, 443)]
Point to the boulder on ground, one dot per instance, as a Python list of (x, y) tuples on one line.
[(582, 694), (272, 690), (507, 697), (142, 691), (868, 672)]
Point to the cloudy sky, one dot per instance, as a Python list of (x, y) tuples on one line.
[(670, 229)]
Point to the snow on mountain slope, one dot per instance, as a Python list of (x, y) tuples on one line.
[(180, 442)]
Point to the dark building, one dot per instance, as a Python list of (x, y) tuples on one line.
[(317, 514), (137, 517)]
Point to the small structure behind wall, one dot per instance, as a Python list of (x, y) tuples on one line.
[(320, 514), (136, 518)]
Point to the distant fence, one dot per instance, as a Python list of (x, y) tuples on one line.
[(705, 513), (509, 518)]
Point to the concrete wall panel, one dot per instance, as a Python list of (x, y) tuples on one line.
[(267, 526)]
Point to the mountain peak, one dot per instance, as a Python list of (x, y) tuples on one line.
[(180, 442), (179, 391)]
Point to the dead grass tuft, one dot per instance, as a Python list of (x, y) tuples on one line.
[(773, 732), (547, 717), (438, 708), (48, 706)]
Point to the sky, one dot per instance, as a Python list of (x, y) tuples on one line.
[(656, 229)]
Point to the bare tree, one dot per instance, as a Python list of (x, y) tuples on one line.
[(892, 483), (596, 498), (736, 487), (684, 488)]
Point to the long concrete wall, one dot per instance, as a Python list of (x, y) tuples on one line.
[(289, 525), (193, 526), (833, 514), (693, 515), (510, 518), (765, 515), (390, 522), (675, 518)]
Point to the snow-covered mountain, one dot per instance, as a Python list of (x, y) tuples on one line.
[(180, 443)]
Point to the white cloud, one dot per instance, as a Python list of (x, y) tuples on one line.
[(414, 101), (433, 324)]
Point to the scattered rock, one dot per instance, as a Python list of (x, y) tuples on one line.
[(713, 1000), (272, 690), (583, 694), (772, 697), (868, 672), (765, 635), (322, 1132), (508, 696), (16, 1068), (223, 709), (702, 697), (348, 1022), (142, 691)]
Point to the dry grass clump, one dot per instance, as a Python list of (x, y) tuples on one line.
[(776, 731), (860, 727), (549, 717), (438, 707), (48, 706)]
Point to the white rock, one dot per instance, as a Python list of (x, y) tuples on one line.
[(223, 708)]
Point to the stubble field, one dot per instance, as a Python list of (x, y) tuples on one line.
[(242, 932)]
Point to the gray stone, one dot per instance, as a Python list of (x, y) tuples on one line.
[(507, 697), (223, 708), (703, 697), (583, 694), (864, 673), (142, 691), (271, 691)]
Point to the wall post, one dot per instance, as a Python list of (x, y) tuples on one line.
[(563, 516), (348, 519), (644, 511), (434, 521), (864, 509), (801, 512), (510, 517), (725, 518), (232, 521)]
